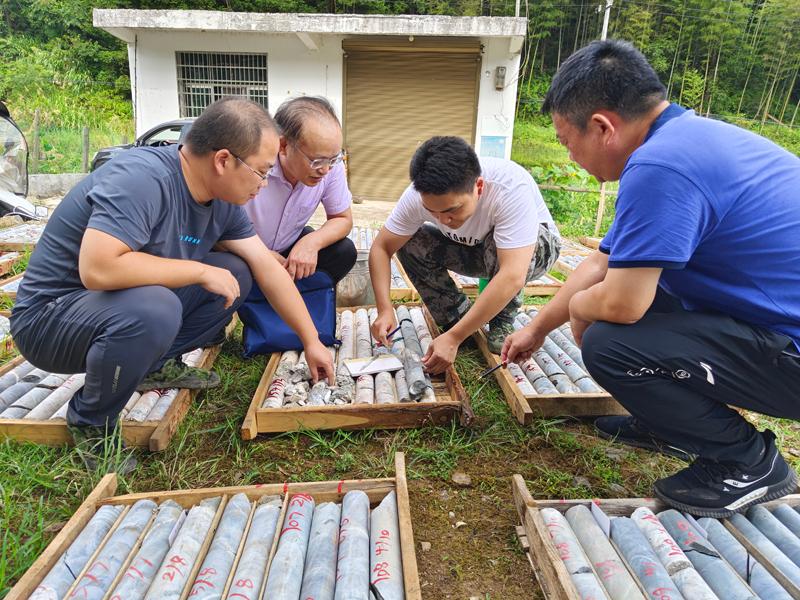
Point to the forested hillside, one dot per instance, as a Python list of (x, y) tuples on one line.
[(734, 59)]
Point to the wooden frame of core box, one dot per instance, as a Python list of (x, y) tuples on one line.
[(408, 293), (451, 401), (530, 289), (322, 491), (526, 408), (152, 435), (7, 265), (21, 237), (4, 282), (550, 571)]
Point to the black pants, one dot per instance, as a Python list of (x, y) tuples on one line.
[(119, 337), (676, 371), (336, 260)]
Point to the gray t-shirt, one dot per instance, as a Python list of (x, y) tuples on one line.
[(140, 198)]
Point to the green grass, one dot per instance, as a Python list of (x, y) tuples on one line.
[(558, 457), (61, 149)]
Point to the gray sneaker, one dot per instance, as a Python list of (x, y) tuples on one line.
[(498, 332), (100, 450), (176, 374)]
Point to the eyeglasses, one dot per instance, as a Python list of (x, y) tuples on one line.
[(262, 177), (319, 163)]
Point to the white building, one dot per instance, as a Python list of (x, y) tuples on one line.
[(395, 80)]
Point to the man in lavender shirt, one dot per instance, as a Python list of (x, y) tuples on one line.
[(309, 170)]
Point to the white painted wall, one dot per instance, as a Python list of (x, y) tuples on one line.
[(292, 69), (496, 109), (295, 70)]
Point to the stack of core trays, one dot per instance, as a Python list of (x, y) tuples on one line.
[(21, 237), (546, 285), (33, 404), (572, 254), (322, 540), (639, 548), (553, 382), (401, 287), (286, 400), (10, 286), (8, 260)]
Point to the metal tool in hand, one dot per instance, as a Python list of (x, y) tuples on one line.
[(492, 370), (484, 374)]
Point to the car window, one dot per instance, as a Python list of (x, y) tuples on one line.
[(168, 135)]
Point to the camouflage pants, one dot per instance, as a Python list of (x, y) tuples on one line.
[(429, 254)]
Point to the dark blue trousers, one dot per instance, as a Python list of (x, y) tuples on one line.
[(677, 372), (118, 337)]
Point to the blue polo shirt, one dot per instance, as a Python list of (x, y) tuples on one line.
[(718, 208)]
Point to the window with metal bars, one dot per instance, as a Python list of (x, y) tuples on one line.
[(204, 77)]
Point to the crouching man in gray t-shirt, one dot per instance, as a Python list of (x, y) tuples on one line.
[(124, 279)]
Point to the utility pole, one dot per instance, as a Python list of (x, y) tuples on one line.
[(609, 4), (601, 207)]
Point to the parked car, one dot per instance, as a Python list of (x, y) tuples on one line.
[(13, 169), (171, 132)]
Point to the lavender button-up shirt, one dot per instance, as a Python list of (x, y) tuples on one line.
[(280, 211)]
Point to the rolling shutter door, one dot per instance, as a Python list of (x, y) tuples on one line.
[(394, 101)]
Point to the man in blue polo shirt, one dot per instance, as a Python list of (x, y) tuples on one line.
[(692, 304)]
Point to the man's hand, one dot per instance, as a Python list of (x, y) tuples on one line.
[(320, 362), (520, 345), (383, 324), (441, 354), (302, 260), (279, 257), (221, 282)]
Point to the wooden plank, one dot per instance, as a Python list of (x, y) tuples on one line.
[(452, 401), (8, 264), (786, 583), (549, 573), (408, 293), (327, 490), (525, 408), (34, 575), (572, 248), (204, 548), (591, 242), (249, 425), (21, 237), (407, 549), (10, 294)]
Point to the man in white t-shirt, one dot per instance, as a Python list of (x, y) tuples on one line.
[(476, 217)]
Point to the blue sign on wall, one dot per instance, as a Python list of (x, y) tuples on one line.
[(493, 146)]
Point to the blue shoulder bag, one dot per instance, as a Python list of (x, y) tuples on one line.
[(264, 330)]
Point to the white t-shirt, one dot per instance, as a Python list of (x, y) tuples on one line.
[(510, 203)]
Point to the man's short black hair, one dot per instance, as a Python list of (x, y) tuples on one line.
[(444, 165), (234, 124), (293, 114), (611, 75)]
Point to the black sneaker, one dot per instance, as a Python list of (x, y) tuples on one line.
[(717, 490), (628, 431), (176, 374), (100, 450)]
